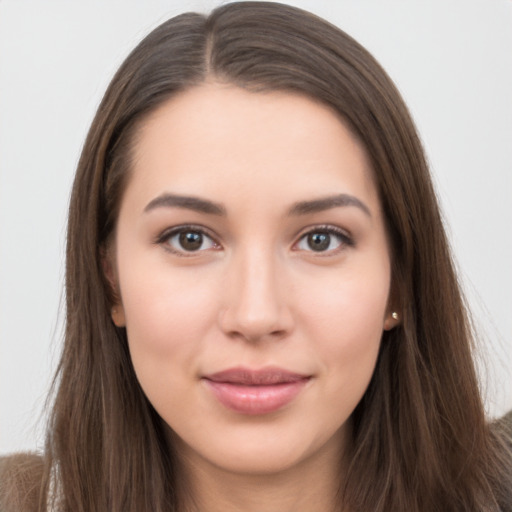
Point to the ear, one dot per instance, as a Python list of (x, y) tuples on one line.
[(110, 273), (118, 317), (391, 320), (394, 309)]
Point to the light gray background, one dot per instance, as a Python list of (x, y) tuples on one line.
[(452, 59)]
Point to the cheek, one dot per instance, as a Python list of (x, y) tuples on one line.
[(345, 316), (351, 304), (168, 315)]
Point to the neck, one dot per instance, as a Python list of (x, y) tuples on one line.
[(311, 486)]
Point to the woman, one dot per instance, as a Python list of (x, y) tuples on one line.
[(262, 311)]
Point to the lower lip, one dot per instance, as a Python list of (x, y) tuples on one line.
[(254, 400)]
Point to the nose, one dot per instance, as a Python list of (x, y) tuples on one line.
[(256, 306)]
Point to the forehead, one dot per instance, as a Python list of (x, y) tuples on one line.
[(213, 135)]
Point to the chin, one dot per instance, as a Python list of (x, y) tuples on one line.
[(261, 450)]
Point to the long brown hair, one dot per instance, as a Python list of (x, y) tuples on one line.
[(420, 439)]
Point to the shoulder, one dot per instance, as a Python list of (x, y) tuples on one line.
[(20, 482), (501, 430)]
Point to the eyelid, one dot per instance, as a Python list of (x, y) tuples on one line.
[(165, 235), (347, 239)]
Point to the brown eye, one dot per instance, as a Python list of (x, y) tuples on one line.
[(318, 241), (190, 240), (324, 240), (187, 240)]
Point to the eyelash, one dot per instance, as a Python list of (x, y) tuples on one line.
[(346, 240), (165, 237)]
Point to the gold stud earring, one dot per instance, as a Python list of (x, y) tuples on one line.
[(394, 315)]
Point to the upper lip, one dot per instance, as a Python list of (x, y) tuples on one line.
[(261, 377)]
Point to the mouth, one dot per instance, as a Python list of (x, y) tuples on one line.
[(255, 392)]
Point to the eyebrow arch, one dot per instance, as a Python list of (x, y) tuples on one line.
[(186, 202), (326, 203)]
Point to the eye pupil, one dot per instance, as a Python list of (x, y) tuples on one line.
[(190, 240), (319, 241)]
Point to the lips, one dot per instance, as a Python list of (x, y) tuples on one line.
[(254, 392)]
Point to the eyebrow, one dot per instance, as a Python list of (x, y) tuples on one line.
[(187, 203), (300, 208), (326, 203)]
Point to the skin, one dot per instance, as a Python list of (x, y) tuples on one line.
[(254, 293)]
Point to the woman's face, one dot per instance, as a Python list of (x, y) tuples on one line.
[(254, 273)]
